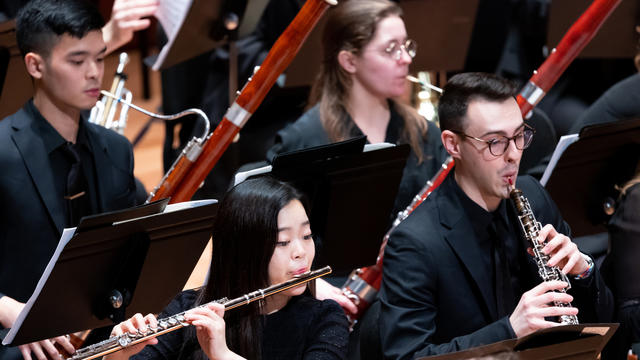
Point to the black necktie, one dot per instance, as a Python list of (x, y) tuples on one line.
[(76, 187), (504, 291)]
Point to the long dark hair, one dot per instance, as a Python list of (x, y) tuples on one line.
[(245, 232), (350, 26)]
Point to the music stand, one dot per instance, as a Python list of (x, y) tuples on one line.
[(582, 183), (441, 47), (570, 342), (351, 194), (202, 28), (115, 265)]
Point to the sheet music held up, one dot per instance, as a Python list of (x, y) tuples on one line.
[(171, 15)]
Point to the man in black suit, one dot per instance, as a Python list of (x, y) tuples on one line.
[(56, 167), (456, 271)]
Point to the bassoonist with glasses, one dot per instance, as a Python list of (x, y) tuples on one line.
[(363, 283)]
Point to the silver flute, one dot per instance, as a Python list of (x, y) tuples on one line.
[(531, 228), (177, 321)]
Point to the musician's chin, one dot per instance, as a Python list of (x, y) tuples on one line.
[(296, 291)]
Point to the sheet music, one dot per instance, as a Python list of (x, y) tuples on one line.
[(67, 234), (563, 143), (171, 15)]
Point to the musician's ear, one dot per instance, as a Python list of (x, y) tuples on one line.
[(34, 64), (347, 61), (451, 142)]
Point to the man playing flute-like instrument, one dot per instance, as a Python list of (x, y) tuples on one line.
[(456, 272)]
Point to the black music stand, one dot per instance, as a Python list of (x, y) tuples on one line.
[(570, 342), (115, 265), (351, 194), (203, 29), (582, 182)]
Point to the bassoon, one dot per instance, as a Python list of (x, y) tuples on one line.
[(363, 284), (195, 162)]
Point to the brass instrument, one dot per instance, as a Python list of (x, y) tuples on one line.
[(531, 228), (104, 112), (177, 321), (194, 146)]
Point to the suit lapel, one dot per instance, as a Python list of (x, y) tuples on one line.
[(36, 160), (461, 238)]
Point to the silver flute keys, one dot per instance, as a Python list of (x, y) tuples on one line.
[(177, 321), (531, 228)]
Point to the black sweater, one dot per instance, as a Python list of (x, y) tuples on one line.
[(305, 328)]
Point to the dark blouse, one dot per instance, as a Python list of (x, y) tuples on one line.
[(305, 328), (308, 131)]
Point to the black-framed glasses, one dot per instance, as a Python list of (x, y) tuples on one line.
[(394, 50), (499, 144)]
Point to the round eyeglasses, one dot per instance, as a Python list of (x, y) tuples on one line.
[(394, 50), (499, 144)]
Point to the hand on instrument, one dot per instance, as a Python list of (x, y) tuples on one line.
[(538, 303), (135, 323), (9, 310), (126, 18), (326, 291), (562, 251), (210, 330)]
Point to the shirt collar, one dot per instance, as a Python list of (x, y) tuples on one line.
[(481, 218), (49, 135), (393, 128)]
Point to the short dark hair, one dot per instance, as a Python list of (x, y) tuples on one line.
[(463, 88), (40, 23), (245, 232)]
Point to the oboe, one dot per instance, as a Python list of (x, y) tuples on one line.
[(177, 321), (531, 228)]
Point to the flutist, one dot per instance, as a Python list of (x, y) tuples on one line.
[(459, 272), (261, 237)]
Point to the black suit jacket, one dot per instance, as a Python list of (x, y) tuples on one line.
[(435, 297), (31, 217)]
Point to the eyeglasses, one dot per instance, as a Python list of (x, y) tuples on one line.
[(499, 145), (394, 50)]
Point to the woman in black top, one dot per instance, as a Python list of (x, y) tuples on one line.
[(366, 61), (623, 270), (261, 237)]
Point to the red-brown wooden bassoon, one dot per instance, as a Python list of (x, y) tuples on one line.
[(363, 283), (195, 162)]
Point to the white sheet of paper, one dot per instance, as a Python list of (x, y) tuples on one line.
[(67, 234), (563, 144), (171, 15)]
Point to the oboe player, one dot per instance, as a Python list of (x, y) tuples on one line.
[(261, 237), (457, 273)]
